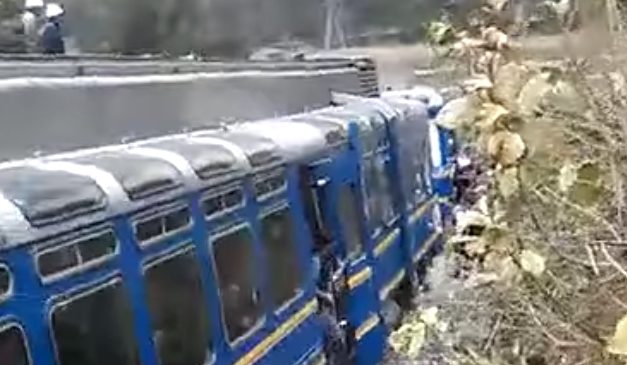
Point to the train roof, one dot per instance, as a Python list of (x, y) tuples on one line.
[(261, 152), (333, 130), (139, 175), (47, 196), (345, 117), (296, 141), (212, 160)]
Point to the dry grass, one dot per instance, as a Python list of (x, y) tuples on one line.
[(568, 314)]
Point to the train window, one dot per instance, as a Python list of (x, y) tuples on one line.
[(95, 328), (235, 268), (233, 198), (270, 183), (148, 229), (380, 206), (58, 260), (13, 350), (97, 247), (152, 228), (278, 240), (80, 253), (222, 202), (5, 282), (311, 202), (177, 220), (178, 308), (348, 212)]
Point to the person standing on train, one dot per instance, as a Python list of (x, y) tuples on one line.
[(32, 19), (51, 35)]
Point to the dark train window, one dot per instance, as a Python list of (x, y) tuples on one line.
[(95, 328), (97, 247), (178, 309), (13, 350), (278, 239), (269, 183), (77, 254), (148, 229), (235, 267), (378, 195), (311, 203), (233, 198), (152, 228), (212, 206), (223, 202), (58, 260), (348, 213), (177, 220), (5, 282)]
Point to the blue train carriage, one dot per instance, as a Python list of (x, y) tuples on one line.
[(418, 161), (334, 204), (442, 141), (178, 251)]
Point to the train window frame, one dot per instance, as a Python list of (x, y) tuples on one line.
[(81, 265), (312, 203), (374, 168), (358, 210), (223, 192), (162, 215), (9, 292), (80, 292), (9, 324), (180, 250), (263, 318), (285, 206), (265, 177)]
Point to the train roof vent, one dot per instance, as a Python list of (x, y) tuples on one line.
[(46, 197), (261, 151), (140, 176), (209, 161)]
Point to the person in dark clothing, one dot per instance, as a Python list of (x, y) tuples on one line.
[(51, 34), (325, 268)]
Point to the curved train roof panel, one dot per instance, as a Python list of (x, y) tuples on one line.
[(297, 140), (48, 196), (209, 161), (140, 176), (345, 117), (374, 113), (333, 130), (261, 152), (409, 109), (425, 94)]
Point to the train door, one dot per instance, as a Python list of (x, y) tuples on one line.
[(336, 189)]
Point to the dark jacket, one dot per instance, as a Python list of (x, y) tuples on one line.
[(52, 38)]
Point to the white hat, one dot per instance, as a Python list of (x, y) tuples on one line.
[(53, 10), (29, 4)]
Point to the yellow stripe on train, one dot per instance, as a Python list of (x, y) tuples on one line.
[(359, 278), (422, 210), (386, 243), (367, 326), (279, 334)]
